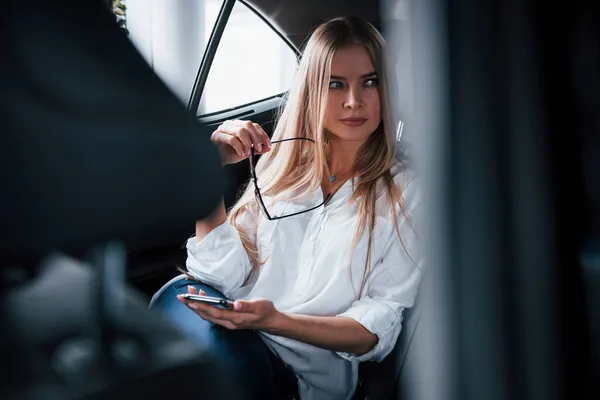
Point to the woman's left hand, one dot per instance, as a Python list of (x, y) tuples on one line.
[(259, 314)]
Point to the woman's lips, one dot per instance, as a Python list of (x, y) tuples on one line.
[(353, 121)]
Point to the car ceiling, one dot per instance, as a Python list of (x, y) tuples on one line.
[(297, 18)]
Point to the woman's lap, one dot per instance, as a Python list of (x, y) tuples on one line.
[(242, 352)]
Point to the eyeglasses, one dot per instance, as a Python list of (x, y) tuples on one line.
[(257, 194)]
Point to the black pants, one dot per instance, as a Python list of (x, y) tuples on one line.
[(254, 368)]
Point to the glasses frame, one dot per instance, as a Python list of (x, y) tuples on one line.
[(258, 196)]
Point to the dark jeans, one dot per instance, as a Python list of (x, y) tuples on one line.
[(258, 372)]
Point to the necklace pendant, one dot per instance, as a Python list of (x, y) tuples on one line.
[(332, 177)]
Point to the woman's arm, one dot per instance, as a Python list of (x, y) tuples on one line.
[(340, 334), (205, 226), (371, 325), (216, 255), (331, 333)]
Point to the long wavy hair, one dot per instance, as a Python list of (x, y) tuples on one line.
[(297, 169)]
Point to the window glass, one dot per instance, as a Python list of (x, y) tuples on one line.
[(252, 63), (172, 36)]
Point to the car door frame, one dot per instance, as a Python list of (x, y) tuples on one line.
[(243, 110)]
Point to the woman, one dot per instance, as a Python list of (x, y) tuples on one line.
[(324, 258)]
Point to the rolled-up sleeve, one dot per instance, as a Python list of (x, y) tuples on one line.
[(390, 288), (220, 259)]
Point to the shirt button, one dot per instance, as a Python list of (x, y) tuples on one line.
[(313, 237), (306, 263)]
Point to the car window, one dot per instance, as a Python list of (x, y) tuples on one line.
[(172, 36), (252, 63)]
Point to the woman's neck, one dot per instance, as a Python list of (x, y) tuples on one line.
[(341, 154)]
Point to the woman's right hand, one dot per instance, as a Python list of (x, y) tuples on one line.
[(235, 139)]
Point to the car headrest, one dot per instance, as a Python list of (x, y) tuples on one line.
[(94, 147)]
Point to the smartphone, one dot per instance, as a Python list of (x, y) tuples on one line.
[(216, 301)]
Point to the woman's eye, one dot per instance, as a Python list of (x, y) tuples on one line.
[(335, 85), (372, 82)]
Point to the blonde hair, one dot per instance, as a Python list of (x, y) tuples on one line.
[(298, 169)]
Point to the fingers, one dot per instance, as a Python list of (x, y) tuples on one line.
[(194, 290), (222, 137), (222, 322), (241, 317), (240, 130), (226, 318), (248, 133), (240, 306), (255, 306), (233, 319), (210, 310), (262, 138)]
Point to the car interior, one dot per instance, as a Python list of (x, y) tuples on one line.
[(107, 162)]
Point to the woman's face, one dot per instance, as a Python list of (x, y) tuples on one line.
[(353, 104)]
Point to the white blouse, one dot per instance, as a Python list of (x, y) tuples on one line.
[(308, 271)]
